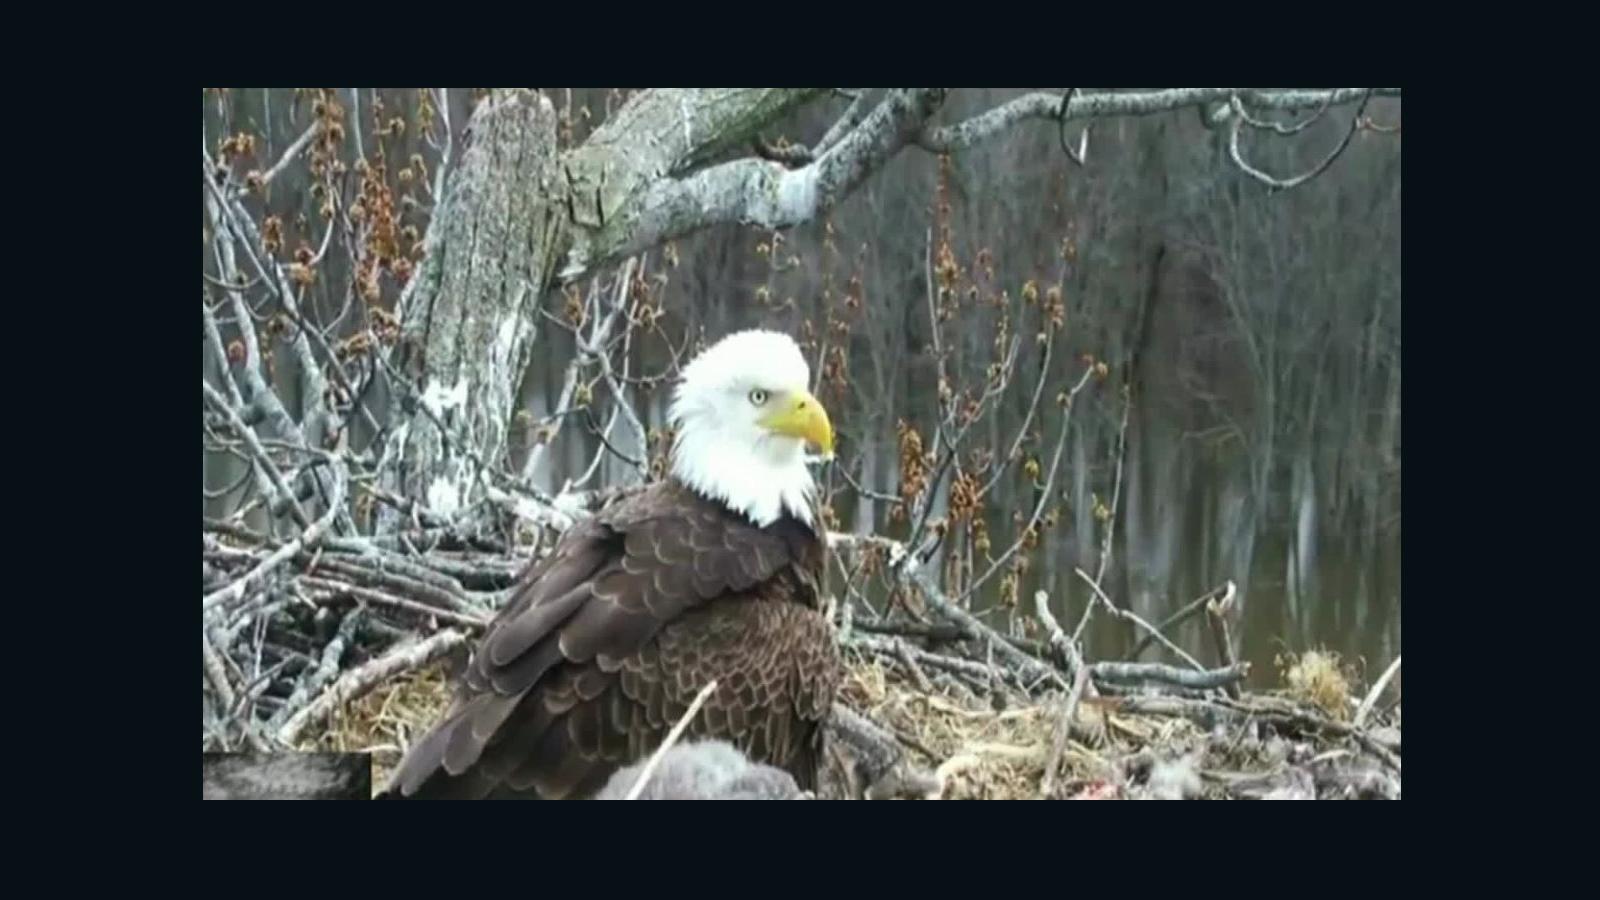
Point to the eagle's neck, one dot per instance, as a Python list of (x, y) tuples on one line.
[(763, 482)]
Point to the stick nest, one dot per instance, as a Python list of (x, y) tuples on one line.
[(1266, 746)]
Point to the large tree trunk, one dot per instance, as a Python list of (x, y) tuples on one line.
[(470, 323)]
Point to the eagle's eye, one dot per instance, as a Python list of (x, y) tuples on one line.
[(758, 397)]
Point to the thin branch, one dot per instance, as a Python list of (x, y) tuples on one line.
[(1027, 418), (1060, 732), (1279, 184), (332, 589), (1128, 616), (1376, 692), (862, 490), (256, 450), (588, 349), (1217, 614), (1109, 104), (672, 738), (1082, 152), (283, 161), (1065, 648), (1116, 489), (1183, 615)]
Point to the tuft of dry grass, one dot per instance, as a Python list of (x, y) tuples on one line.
[(1318, 678), (387, 720)]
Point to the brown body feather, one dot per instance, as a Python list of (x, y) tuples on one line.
[(610, 637)]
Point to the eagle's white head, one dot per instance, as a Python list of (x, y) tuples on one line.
[(744, 415)]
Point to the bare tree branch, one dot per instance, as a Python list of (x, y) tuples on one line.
[(1129, 616), (1044, 106), (1377, 691), (1279, 184)]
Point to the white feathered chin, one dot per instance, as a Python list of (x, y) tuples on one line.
[(722, 450)]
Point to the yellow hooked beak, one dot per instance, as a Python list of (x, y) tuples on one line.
[(800, 415)]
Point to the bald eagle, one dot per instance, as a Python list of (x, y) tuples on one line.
[(713, 572)]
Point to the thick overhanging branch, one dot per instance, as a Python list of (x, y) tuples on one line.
[(623, 199), (754, 191)]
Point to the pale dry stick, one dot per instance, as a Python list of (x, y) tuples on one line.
[(602, 355), (1058, 640), (214, 343), (1376, 692), (1123, 672), (1027, 418), (1116, 495), (1217, 614), (262, 397), (1131, 617), (363, 678), (444, 155), (1277, 184), (672, 738), (1116, 489), (211, 663), (903, 652), (331, 589), (355, 122), (1061, 731), (1181, 616), (594, 344), (922, 506), (283, 161)]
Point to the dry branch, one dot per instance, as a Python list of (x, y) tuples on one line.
[(1182, 615), (1061, 731), (672, 738), (1064, 648), (1129, 616), (1376, 692), (1217, 612), (1125, 672)]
